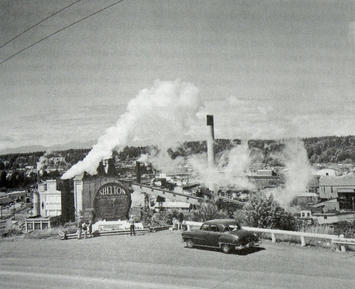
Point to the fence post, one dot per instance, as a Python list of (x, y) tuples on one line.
[(342, 246), (303, 241), (273, 237)]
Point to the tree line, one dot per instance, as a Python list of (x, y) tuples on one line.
[(329, 149)]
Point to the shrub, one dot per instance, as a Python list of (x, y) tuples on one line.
[(265, 212), (345, 228), (206, 212)]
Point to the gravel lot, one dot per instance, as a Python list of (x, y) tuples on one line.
[(159, 260)]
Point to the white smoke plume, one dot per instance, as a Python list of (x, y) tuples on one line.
[(164, 163), (298, 171), (161, 115), (161, 160), (230, 170)]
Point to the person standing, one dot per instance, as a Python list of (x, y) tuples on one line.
[(175, 223), (181, 219), (85, 230), (79, 229), (90, 228), (132, 227)]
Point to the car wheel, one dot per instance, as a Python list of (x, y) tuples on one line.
[(189, 243), (226, 248), (251, 245)]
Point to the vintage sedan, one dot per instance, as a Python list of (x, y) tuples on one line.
[(225, 234)]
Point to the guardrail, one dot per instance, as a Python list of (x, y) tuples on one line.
[(340, 240)]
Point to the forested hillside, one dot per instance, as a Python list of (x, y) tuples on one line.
[(19, 170), (331, 149)]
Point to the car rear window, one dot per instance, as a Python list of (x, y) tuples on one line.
[(214, 228), (229, 228)]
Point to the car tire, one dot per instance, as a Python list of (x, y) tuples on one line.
[(189, 243), (226, 248)]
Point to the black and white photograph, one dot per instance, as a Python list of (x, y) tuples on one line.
[(177, 144)]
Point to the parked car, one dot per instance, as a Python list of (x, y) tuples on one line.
[(225, 234)]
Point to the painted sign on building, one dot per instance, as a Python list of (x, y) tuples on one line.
[(112, 202)]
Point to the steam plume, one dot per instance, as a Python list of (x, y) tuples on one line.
[(162, 114), (298, 171), (231, 168)]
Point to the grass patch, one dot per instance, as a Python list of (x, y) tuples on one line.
[(43, 234)]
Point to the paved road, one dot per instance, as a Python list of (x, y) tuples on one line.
[(159, 260)]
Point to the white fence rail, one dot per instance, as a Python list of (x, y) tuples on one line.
[(340, 240)]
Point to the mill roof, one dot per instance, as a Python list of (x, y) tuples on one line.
[(337, 181)]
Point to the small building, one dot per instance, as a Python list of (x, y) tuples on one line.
[(333, 217), (265, 172), (340, 188), (50, 199), (32, 224), (327, 206), (306, 198), (173, 205), (17, 195), (305, 214), (327, 172)]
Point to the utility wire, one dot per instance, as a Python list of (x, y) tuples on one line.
[(60, 30), (38, 23)]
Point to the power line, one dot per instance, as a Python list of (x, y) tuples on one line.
[(38, 23), (60, 30)]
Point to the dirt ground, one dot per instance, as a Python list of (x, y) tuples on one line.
[(159, 260)]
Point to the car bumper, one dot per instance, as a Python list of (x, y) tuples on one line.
[(249, 245)]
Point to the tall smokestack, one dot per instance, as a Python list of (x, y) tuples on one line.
[(210, 141), (138, 171)]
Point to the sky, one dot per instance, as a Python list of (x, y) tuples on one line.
[(265, 69)]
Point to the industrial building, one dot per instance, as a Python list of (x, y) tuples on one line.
[(53, 199), (50, 199), (339, 189)]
